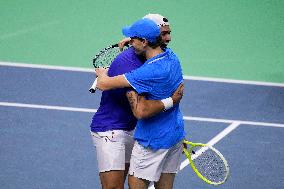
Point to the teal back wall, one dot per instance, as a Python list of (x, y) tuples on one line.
[(235, 39)]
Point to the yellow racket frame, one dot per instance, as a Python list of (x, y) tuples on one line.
[(188, 155)]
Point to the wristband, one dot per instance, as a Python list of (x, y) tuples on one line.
[(168, 103)]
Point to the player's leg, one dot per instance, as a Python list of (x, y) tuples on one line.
[(112, 179), (111, 156), (137, 183), (145, 166), (166, 181), (170, 167)]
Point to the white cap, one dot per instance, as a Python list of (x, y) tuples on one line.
[(158, 19)]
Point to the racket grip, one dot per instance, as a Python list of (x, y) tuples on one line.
[(93, 87)]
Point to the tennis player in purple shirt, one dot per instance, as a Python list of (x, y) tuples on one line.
[(113, 124)]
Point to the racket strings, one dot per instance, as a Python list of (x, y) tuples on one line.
[(209, 164), (105, 57)]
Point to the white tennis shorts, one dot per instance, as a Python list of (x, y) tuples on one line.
[(149, 164), (113, 149)]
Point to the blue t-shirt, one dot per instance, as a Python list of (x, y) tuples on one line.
[(157, 79), (114, 112)]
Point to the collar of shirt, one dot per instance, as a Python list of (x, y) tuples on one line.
[(158, 56)]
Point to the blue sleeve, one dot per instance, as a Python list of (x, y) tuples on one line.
[(142, 79)]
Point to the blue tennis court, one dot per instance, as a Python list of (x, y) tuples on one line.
[(46, 49), (45, 141)]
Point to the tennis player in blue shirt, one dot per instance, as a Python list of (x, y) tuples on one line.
[(112, 125), (158, 147)]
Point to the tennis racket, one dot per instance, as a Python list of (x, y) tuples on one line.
[(104, 59), (207, 162)]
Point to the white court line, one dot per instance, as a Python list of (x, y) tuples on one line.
[(90, 70), (48, 67), (245, 82), (188, 118), (21, 105), (232, 121)]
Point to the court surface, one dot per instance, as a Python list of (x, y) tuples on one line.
[(45, 141), (46, 49)]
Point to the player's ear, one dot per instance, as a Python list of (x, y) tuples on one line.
[(144, 42)]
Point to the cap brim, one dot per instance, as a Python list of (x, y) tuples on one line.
[(126, 31)]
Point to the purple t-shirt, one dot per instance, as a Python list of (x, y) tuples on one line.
[(114, 112)]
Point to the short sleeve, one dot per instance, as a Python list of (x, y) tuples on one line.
[(141, 79)]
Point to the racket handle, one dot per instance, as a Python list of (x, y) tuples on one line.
[(93, 87)]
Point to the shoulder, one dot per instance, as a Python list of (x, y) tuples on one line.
[(128, 56), (171, 53), (124, 62), (123, 56), (126, 53)]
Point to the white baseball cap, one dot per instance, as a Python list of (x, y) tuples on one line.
[(158, 19)]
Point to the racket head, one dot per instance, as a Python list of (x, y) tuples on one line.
[(207, 162), (105, 57)]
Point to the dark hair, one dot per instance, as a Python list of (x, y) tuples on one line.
[(157, 43), (153, 45)]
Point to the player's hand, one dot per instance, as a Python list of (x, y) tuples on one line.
[(177, 96), (101, 77), (123, 42), (101, 71)]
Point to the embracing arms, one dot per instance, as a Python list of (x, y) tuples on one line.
[(140, 107), (143, 108)]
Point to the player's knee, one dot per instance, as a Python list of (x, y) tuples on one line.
[(114, 186)]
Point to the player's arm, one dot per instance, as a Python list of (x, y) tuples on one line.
[(105, 82), (123, 43), (143, 108)]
